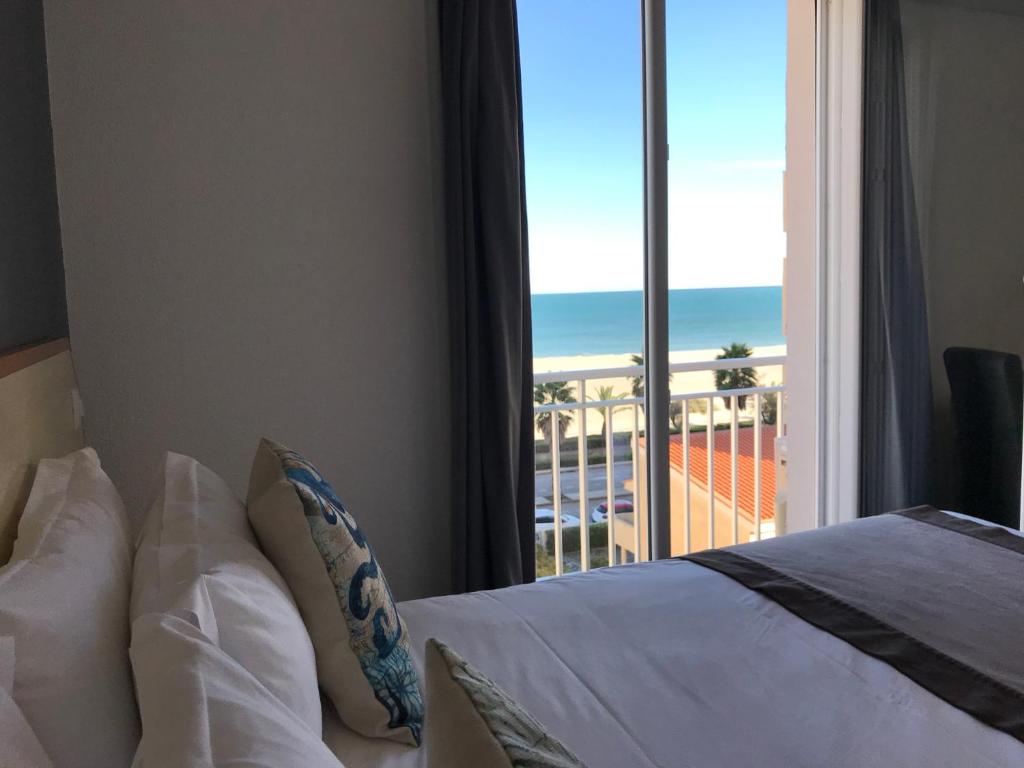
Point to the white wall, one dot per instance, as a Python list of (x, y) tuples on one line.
[(966, 107), (249, 198)]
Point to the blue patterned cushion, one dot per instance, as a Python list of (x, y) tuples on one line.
[(377, 636)]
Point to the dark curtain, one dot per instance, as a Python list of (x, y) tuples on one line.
[(489, 284), (896, 390)]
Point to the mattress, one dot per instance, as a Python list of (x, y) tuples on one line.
[(673, 664)]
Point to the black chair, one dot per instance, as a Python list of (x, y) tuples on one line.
[(988, 400)]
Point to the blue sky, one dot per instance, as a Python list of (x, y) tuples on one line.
[(584, 153)]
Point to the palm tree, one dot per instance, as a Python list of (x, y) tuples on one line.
[(738, 378), (675, 413), (553, 392), (637, 382), (606, 393)]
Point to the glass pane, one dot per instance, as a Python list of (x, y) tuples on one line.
[(726, 67), (583, 125)]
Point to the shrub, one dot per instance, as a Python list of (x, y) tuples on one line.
[(770, 407), (545, 563), (571, 538)]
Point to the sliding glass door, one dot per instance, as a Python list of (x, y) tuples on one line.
[(654, 154)]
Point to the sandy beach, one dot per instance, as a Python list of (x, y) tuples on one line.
[(682, 383)]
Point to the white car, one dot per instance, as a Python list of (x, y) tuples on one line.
[(544, 520)]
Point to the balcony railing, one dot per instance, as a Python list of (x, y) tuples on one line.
[(623, 481)]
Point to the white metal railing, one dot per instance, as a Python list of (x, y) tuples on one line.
[(608, 408)]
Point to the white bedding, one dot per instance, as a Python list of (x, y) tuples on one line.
[(670, 664)]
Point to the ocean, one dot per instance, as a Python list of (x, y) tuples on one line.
[(612, 323)]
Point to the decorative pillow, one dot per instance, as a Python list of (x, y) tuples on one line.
[(362, 647), (197, 549), (201, 708), (64, 600), (473, 722)]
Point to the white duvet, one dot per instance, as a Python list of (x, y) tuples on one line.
[(670, 664)]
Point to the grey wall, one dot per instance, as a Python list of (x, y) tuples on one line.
[(965, 75), (249, 200), (32, 304)]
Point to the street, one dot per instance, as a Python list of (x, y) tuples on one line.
[(596, 486)]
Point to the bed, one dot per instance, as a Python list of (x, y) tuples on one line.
[(697, 662), (673, 664)]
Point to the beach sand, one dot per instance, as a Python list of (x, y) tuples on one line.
[(682, 383)]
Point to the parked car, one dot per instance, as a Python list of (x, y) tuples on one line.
[(544, 520), (600, 513)]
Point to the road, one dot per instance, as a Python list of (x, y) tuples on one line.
[(596, 486)]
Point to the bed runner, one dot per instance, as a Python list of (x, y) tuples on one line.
[(939, 598)]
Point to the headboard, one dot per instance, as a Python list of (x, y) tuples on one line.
[(37, 420)]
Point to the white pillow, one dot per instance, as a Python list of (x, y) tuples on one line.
[(64, 600), (202, 708), (21, 748), (7, 665), (197, 553)]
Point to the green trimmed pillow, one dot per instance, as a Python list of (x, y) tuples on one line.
[(362, 646), (471, 721)]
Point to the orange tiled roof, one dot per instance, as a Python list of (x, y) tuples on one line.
[(723, 466)]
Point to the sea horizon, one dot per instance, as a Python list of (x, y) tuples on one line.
[(611, 322)]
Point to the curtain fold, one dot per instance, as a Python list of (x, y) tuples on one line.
[(896, 387), (489, 295)]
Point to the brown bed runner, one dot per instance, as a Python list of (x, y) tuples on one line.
[(939, 598)]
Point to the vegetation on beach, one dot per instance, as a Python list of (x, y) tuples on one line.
[(637, 382), (562, 393), (736, 378), (603, 395), (675, 413), (553, 392)]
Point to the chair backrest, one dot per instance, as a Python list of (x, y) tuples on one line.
[(987, 390)]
